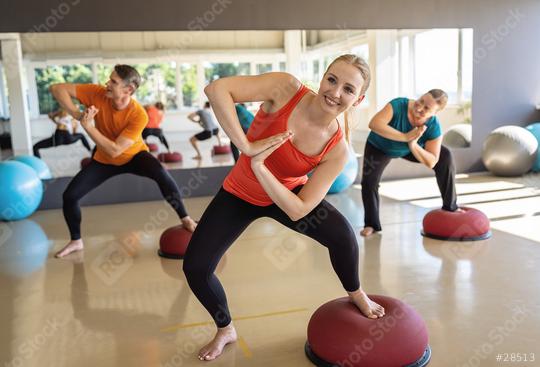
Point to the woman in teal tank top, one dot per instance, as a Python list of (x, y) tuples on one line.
[(406, 129)]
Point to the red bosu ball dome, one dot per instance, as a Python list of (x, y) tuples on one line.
[(153, 147), (221, 149), (467, 225), (170, 157), (173, 242), (85, 162), (339, 335)]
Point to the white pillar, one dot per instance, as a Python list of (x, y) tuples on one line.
[(4, 110), (252, 68), (460, 68), (275, 66), (201, 83), (95, 79), (179, 93), (33, 99), (20, 120), (293, 52), (383, 62)]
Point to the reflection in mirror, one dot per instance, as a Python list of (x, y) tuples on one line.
[(176, 66)]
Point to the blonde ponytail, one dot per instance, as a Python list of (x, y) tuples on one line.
[(347, 127)]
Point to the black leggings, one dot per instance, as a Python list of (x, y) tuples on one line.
[(375, 161), (227, 217), (60, 137), (94, 174), (155, 132)]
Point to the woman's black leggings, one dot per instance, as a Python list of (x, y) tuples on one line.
[(155, 132), (60, 137), (375, 161), (95, 173), (227, 217)]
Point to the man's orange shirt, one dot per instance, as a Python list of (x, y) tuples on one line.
[(113, 123)]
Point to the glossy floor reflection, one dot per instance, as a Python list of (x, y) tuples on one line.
[(119, 304)]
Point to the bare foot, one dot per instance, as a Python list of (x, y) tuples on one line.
[(369, 308), (197, 157), (213, 349), (367, 231), (72, 246), (189, 223)]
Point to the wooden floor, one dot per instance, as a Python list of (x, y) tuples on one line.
[(119, 304)]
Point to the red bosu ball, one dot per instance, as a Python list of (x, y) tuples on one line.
[(173, 242), (339, 335), (170, 157), (467, 225), (221, 149), (153, 147)]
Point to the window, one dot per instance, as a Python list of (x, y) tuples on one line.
[(216, 71), (362, 51), (158, 84), (436, 62), (467, 64), (189, 83), (436, 59), (264, 68), (103, 73), (45, 77)]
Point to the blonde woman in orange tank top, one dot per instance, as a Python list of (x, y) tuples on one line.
[(295, 131)]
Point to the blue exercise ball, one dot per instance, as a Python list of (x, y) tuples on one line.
[(535, 130), (21, 190), (347, 176), (24, 247), (38, 165)]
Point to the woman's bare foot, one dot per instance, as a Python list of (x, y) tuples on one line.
[(72, 246), (369, 308), (189, 223), (367, 231), (213, 349)]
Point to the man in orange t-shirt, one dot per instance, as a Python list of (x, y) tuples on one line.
[(119, 121), (155, 117)]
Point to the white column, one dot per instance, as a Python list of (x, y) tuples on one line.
[(33, 99), (179, 93), (412, 69), (253, 68), (275, 66), (460, 68), (201, 83), (4, 111), (20, 120), (95, 79), (293, 52), (383, 62)]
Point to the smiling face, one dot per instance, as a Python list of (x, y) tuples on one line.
[(423, 109), (117, 88), (340, 88)]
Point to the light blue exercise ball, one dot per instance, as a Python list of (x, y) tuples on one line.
[(347, 175), (535, 130), (24, 247), (21, 190), (38, 165)]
